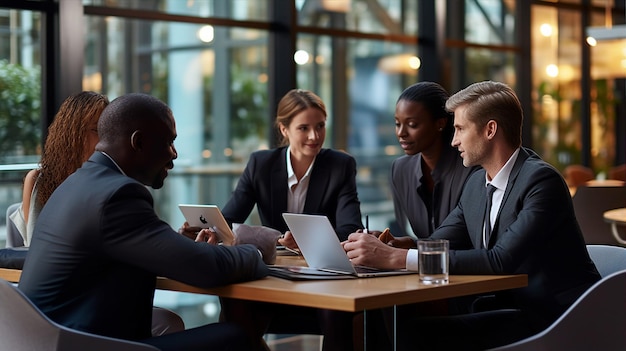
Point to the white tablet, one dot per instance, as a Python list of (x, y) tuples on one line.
[(208, 216)]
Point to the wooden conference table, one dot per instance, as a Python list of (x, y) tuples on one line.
[(350, 295), (616, 217)]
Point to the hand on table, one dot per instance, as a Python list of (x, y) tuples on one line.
[(288, 241), (367, 250)]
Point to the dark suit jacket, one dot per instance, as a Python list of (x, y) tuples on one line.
[(332, 191), (535, 233), (409, 199), (98, 246)]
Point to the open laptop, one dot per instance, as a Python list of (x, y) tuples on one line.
[(322, 250), (208, 216)]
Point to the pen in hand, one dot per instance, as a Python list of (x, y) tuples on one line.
[(367, 223)]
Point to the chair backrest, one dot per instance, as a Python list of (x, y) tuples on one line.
[(608, 259), (618, 172), (576, 175), (23, 327), (596, 321), (14, 238), (590, 203)]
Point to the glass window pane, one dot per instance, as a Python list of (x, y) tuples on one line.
[(20, 86), (556, 85), (366, 16), (490, 22), (20, 103), (232, 9), (213, 78), (376, 73), (608, 64)]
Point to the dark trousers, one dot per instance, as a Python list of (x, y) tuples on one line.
[(471, 331), (216, 336)]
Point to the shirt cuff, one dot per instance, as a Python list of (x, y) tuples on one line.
[(411, 260)]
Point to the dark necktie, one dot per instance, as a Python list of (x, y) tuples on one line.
[(487, 221)]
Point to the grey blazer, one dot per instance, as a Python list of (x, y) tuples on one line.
[(535, 233), (406, 185)]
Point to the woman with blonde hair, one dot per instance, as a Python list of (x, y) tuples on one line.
[(298, 177)]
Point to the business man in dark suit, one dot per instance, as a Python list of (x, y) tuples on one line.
[(331, 191), (534, 231), (98, 245)]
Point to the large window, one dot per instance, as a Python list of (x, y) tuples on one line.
[(561, 122), (20, 102)]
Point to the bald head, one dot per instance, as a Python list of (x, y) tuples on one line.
[(128, 113), (138, 132)]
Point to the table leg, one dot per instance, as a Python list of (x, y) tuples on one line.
[(616, 234), (395, 329), (365, 330)]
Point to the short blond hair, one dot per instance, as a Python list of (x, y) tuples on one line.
[(488, 100)]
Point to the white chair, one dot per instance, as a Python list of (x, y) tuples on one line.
[(23, 327), (597, 320), (607, 258), (14, 238), (590, 203)]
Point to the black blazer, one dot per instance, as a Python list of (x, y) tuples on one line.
[(332, 191), (98, 246), (535, 233)]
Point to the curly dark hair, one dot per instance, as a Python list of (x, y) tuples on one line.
[(65, 147)]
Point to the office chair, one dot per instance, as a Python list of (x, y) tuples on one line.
[(576, 175), (607, 258), (23, 327), (618, 172), (590, 203), (597, 320), (14, 238)]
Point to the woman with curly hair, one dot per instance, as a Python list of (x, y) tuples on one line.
[(72, 138)]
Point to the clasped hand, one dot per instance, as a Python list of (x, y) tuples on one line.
[(367, 249), (263, 238), (208, 235)]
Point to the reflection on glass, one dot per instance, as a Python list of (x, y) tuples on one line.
[(252, 10), (20, 86), (366, 16), (490, 22), (557, 124), (217, 90)]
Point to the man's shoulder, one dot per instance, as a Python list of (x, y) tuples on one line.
[(533, 163)]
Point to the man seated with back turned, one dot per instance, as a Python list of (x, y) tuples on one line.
[(534, 232), (99, 245)]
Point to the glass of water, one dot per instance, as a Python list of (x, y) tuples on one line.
[(433, 260)]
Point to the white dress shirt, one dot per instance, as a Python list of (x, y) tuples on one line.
[(499, 182), (296, 196)]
